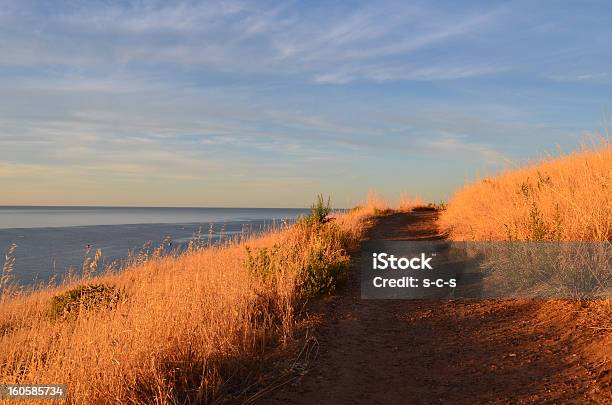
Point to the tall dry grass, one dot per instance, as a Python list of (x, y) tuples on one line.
[(183, 329), (408, 202), (567, 198), (374, 204), (377, 204), (561, 207)]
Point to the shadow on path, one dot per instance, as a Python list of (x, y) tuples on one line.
[(426, 351)]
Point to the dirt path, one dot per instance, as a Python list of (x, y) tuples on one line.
[(416, 351)]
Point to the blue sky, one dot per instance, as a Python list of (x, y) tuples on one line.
[(232, 103)]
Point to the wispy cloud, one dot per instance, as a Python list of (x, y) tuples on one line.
[(383, 73), (230, 93), (462, 149), (238, 37), (595, 77)]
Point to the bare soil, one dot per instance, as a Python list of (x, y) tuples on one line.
[(461, 351)]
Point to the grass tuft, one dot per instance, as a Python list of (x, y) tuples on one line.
[(86, 297), (319, 211)]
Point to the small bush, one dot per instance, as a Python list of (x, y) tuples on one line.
[(262, 263), (317, 253), (322, 274), (82, 297), (319, 211)]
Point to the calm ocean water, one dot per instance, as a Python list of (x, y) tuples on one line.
[(50, 240)]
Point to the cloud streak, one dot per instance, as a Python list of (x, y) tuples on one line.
[(219, 94), (238, 38)]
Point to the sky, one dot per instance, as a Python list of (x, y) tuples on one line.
[(266, 104)]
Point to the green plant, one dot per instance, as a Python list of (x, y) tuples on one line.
[(82, 297), (541, 230), (262, 263), (319, 257), (319, 211), (322, 274), (538, 228)]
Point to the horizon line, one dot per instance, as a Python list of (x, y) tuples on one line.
[(138, 206)]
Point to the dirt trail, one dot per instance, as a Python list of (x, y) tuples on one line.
[(417, 351)]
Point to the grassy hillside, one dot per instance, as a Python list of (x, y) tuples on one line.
[(188, 327), (566, 198)]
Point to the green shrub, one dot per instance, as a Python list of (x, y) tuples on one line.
[(326, 263), (262, 263), (539, 229), (322, 274), (318, 257), (319, 211), (82, 297)]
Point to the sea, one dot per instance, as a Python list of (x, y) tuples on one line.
[(52, 242)]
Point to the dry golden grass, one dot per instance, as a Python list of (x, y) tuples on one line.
[(185, 329), (408, 202), (566, 198), (556, 199), (375, 203)]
